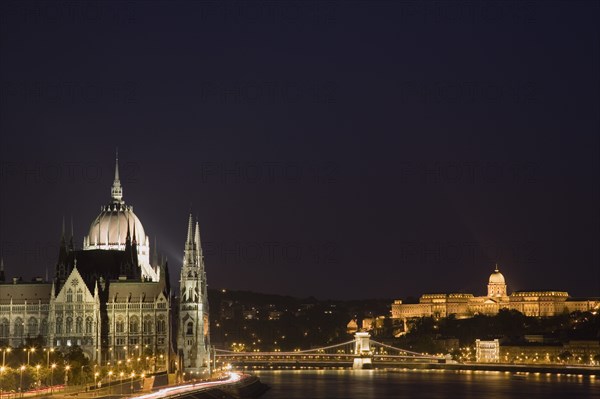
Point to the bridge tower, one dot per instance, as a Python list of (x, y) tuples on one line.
[(362, 348)]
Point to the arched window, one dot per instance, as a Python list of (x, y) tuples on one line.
[(120, 326), (134, 325), (59, 325), (190, 328), (69, 295), (89, 323), (4, 328), (32, 327), (79, 325), (160, 326), (18, 327), (44, 327), (147, 325), (79, 295), (69, 325)]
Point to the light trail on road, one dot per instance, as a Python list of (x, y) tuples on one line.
[(165, 392)]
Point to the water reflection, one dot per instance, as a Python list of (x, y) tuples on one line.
[(415, 384)]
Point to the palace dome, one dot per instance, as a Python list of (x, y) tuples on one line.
[(497, 277)]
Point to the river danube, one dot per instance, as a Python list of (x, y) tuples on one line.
[(430, 384)]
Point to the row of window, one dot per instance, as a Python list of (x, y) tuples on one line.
[(78, 326), (120, 341), (19, 327), (32, 308), (79, 295), (68, 325), (147, 325)]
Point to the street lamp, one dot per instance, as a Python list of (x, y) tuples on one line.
[(96, 374), (29, 352), (52, 376), (4, 352), (121, 382), (48, 350), (110, 373), (1, 379), (22, 368), (131, 387), (37, 369), (67, 368)]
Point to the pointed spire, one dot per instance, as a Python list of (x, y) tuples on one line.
[(190, 234), (62, 236), (134, 237), (496, 268), (117, 191), (155, 254), (117, 165), (128, 236), (71, 246), (197, 238), (2, 276), (167, 279)]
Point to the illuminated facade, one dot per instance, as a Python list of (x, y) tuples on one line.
[(110, 298), (193, 339), (530, 303), (487, 351)]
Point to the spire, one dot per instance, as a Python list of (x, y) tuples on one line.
[(190, 234), (117, 191), (155, 254), (62, 251), (197, 239), (496, 270), (167, 280), (2, 276), (71, 247), (62, 237), (134, 237), (128, 236)]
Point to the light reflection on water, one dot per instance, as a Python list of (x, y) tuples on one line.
[(430, 384)]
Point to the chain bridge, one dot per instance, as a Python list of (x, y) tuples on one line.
[(360, 353)]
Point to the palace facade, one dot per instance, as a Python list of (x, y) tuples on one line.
[(530, 303), (111, 298)]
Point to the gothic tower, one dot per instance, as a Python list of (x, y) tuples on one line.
[(193, 338)]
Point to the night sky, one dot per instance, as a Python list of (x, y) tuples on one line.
[(340, 149)]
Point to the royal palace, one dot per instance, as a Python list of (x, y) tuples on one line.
[(530, 303)]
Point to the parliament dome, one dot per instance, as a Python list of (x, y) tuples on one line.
[(109, 229)]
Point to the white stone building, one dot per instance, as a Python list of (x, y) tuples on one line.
[(110, 298)]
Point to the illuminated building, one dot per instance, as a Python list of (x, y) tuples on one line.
[(530, 303), (110, 298)]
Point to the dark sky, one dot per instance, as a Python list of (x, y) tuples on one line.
[(340, 149)]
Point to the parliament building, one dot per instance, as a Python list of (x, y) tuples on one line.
[(530, 303), (112, 299)]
